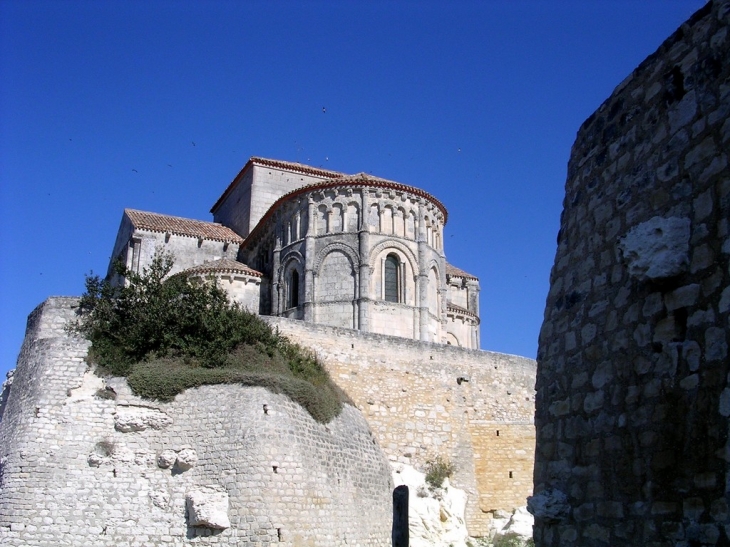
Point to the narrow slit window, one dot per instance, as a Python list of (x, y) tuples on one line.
[(294, 289), (392, 289)]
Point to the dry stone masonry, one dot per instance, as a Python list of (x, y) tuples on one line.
[(81, 467), (84, 460), (632, 387), (422, 400)]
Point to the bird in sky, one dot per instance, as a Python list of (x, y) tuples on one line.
[(193, 142), (324, 110), (135, 170)]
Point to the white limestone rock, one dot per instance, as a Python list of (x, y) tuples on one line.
[(90, 384), (549, 505), (166, 459), (160, 499), (139, 418), (520, 523), (187, 458), (657, 248), (434, 517), (208, 506), (95, 460)]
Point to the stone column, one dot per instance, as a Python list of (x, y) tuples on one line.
[(276, 274), (472, 295), (309, 256), (364, 250), (422, 284)]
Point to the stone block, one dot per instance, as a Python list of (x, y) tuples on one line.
[(657, 248), (208, 507)]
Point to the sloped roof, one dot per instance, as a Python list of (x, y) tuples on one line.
[(223, 265), (463, 311), (453, 271), (277, 164), (156, 222)]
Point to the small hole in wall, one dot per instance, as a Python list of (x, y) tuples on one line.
[(278, 533), (510, 474), (276, 469), (498, 433), (657, 347), (352, 345), (266, 409)]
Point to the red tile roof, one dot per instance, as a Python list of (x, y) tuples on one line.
[(155, 222), (453, 271), (277, 164), (224, 265)]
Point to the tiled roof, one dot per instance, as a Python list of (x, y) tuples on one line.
[(458, 309), (278, 164), (297, 167), (360, 179), (456, 272), (224, 265), (155, 222)]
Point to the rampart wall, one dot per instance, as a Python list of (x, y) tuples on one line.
[(219, 465), (632, 386), (422, 400)]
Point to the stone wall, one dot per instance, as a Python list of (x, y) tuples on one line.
[(423, 400), (224, 465), (632, 396), (187, 251)]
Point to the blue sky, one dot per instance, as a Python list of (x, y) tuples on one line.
[(157, 106)]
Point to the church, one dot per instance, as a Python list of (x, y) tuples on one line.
[(352, 251)]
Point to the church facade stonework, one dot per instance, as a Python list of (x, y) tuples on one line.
[(352, 251)]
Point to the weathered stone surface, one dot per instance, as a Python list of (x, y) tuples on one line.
[(208, 506), (549, 506), (632, 421), (435, 517), (187, 458), (483, 425), (290, 480), (139, 418), (657, 248), (166, 459)]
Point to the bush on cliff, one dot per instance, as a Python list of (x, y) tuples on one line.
[(168, 334)]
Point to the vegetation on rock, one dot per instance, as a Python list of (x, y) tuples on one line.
[(438, 470), (167, 334)]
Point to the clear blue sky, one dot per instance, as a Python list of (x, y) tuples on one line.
[(478, 103)]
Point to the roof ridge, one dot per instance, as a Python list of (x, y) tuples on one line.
[(294, 165), (188, 227), (129, 209), (458, 272), (221, 265)]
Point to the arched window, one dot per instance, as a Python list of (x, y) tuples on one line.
[(294, 289), (391, 279)]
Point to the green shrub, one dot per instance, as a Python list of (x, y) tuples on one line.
[(437, 470), (168, 334), (511, 539)]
